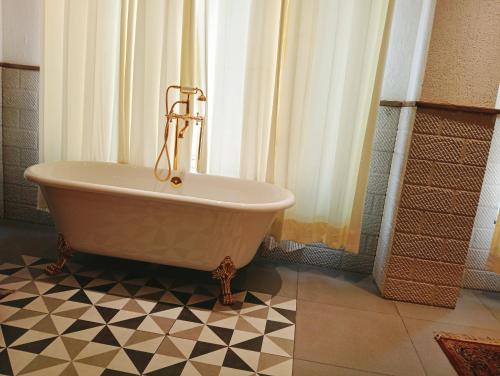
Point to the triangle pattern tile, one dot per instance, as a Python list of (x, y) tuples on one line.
[(24, 318), (174, 369), (117, 322), (233, 360), (56, 349), (73, 346), (140, 359), (16, 360), (214, 358), (206, 368), (31, 336), (35, 347), (176, 348), (11, 333), (269, 362), (106, 337), (202, 348), (146, 305), (122, 335), (42, 362), (121, 364)]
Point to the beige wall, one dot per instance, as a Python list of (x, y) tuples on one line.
[(463, 64)]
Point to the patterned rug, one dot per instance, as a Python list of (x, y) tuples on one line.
[(471, 356), (136, 318)]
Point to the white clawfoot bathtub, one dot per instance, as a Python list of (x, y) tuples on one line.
[(122, 211)]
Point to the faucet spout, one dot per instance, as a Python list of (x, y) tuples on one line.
[(185, 117)]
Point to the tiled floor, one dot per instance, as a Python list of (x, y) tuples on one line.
[(342, 326)]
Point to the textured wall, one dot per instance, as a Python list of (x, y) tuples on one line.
[(380, 166), (20, 144), (438, 200), (476, 274), (464, 53)]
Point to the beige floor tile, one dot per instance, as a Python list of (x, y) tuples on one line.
[(491, 300), (352, 290), (269, 278), (369, 341), (433, 358), (469, 311), (305, 368)]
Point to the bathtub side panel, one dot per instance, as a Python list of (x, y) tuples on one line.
[(171, 233)]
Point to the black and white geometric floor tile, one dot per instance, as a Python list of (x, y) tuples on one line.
[(91, 321)]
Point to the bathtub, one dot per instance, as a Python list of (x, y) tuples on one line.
[(210, 223)]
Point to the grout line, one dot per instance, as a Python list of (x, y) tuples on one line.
[(346, 307), (411, 340), (450, 323), (345, 367), (478, 297)]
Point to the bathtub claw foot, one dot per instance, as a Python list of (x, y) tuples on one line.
[(225, 273), (64, 252)]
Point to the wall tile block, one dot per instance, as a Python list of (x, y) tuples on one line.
[(446, 225), (460, 177), (465, 203), (475, 153), (426, 198), (20, 98), (473, 126), (420, 246), (421, 293), (418, 172), (436, 148)]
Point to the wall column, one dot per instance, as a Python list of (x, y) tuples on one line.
[(436, 196)]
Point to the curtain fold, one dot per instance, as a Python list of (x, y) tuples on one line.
[(79, 115), (155, 51), (327, 53), (226, 52), (106, 67), (324, 124)]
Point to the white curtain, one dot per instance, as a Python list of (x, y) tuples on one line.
[(241, 65), (80, 75), (317, 72), (104, 74), (153, 45), (327, 92), (292, 88)]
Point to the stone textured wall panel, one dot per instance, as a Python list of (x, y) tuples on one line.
[(437, 210), (20, 144)]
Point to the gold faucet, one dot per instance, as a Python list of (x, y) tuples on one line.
[(186, 117)]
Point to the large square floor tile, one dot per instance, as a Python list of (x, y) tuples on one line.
[(352, 290), (369, 341), (433, 358), (305, 368), (469, 311), (491, 300)]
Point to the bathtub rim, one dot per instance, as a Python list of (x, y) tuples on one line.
[(61, 183)]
